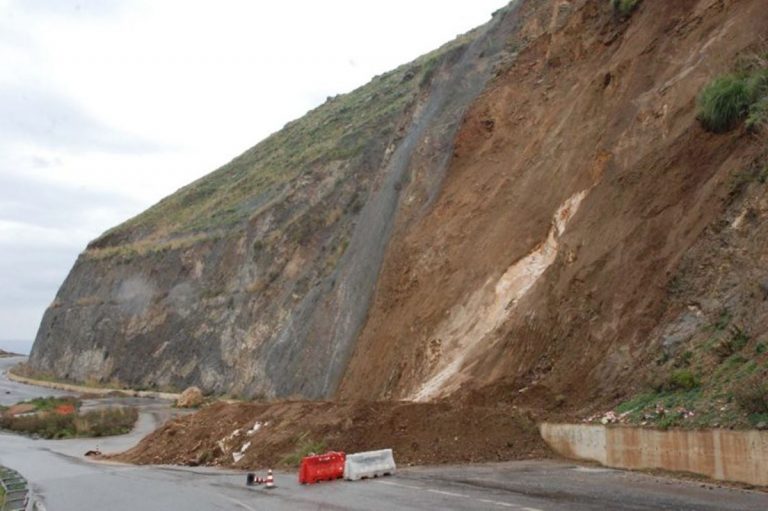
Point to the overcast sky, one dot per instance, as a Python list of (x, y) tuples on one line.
[(106, 106)]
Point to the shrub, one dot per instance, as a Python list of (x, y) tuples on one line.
[(758, 115), (733, 344), (751, 394), (624, 8), (106, 422), (46, 425), (723, 103), (97, 423), (682, 379), (741, 95)]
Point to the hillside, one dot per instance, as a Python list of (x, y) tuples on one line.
[(537, 217), (255, 279), (586, 239)]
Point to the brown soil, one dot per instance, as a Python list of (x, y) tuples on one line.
[(592, 105), (596, 105), (419, 433)]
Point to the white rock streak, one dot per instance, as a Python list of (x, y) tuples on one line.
[(487, 309)]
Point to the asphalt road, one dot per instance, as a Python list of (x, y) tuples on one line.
[(63, 479), (12, 392)]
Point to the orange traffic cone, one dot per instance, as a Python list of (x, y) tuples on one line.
[(270, 480)]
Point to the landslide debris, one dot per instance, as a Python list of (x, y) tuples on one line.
[(573, 242), (590, 231), (261, 435)]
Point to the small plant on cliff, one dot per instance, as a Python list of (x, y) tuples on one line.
[(734, 97), (751, 394), (723, 103), (758, 115), (682, 379), (624, 8)]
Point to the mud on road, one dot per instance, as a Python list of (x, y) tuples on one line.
[(267, 433)]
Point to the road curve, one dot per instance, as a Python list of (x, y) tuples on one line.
[(64, 480)]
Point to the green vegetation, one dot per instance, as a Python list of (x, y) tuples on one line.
[(751, 394), (624, 8), (683, 379), (58, 418), (347, 131), (304, 447), (734, 97), (47, 404), (723, 103), (719, 379)]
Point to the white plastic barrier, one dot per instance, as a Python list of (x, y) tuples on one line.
[(369, 464)]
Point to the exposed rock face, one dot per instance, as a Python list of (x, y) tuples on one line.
[(533, 206), (256, 279)]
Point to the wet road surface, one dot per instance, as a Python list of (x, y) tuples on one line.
[(63, 480)]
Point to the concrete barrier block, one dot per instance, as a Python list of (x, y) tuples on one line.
[(363, 465)]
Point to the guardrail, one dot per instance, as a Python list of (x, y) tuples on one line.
[(16, 490)]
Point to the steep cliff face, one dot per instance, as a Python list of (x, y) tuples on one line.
[(581, 180), (531, 212), (255, 280)]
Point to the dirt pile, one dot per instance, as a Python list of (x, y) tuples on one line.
[(259, 435)]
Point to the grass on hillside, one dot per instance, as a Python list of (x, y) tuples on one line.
[(340, 131), (722, 382), (624, 8), (737, 96)]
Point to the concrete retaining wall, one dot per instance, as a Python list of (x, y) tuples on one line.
[(740, 456)]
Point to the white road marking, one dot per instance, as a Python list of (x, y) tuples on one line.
[(440, 492), (451, 494), (388, 483)]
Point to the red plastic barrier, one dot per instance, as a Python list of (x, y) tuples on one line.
[(322, 467)]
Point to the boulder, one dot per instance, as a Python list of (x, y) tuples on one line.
[(190, 398)]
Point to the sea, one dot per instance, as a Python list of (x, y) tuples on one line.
[(16, 346)]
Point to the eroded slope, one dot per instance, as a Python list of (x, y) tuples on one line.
[(581, 179)]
